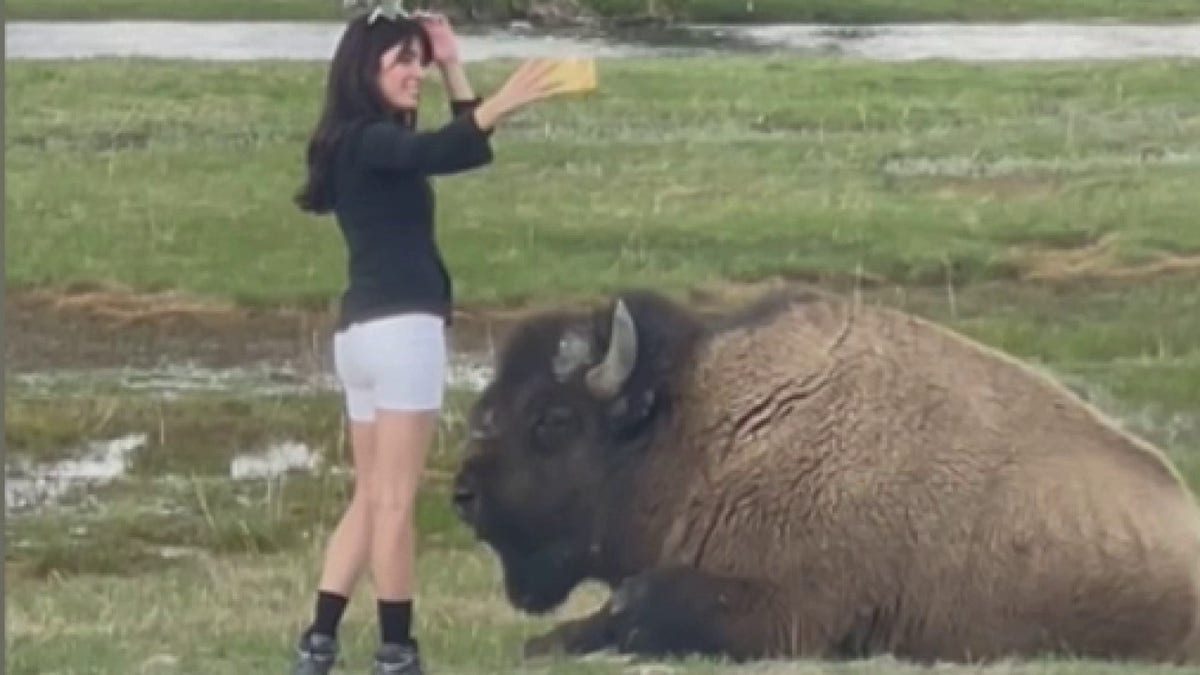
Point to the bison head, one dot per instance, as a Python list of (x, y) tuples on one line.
[(556, 439)]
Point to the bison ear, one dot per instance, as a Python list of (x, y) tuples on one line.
[(574, 350), (606, 378)]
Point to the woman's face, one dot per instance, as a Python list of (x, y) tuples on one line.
[(400, 74)]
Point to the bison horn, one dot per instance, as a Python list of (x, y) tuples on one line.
[(607, 377)]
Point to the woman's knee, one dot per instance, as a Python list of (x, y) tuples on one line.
[(391, 497)]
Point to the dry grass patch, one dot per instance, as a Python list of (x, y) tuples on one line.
[(1100, 259)]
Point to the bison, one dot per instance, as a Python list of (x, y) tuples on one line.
[(814, 477)]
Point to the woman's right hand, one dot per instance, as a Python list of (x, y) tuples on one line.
[(533, 81)]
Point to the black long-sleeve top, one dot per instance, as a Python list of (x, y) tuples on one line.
[(385, 206)]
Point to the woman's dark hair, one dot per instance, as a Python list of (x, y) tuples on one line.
[(352, 97)]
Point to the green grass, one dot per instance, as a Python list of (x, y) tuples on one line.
[(214, 630), (854, 11), (675, 173)]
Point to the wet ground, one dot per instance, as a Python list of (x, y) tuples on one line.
[(96, 330), (29, 484), (979, 42), (315, 41), (77, 344), (209, 371)]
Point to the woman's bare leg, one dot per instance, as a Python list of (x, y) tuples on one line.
[(350, 545), (345, 559), (402, 440)]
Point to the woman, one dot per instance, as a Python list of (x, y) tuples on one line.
[(369, 166)]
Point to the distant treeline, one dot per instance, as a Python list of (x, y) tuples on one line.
[(828, 11)]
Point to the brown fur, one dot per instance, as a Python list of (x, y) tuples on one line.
[(816, 478), (905, 489)]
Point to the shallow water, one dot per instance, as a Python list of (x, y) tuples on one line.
[(274, 461), (238, 41), (30, 485), (979, 42), (465, 372)]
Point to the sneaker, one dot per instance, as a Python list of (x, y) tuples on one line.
[(315, 654), (397, 659)]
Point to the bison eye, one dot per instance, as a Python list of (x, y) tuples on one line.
[(556, 424)]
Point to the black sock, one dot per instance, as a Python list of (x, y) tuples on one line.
[(395, 621), (330, 607)]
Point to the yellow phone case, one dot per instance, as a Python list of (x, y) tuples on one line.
[(578, 74)]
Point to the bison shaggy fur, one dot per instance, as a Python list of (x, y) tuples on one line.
[(816, 477)]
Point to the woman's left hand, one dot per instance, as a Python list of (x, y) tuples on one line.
[(441, 35)]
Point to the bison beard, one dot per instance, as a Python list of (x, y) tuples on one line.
[(539, 580), (815, 478), (538, 574)]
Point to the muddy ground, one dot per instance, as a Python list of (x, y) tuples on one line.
[(101, 328), (46, 331), (98, 327)]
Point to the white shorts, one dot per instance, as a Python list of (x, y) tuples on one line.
[(392, 363)]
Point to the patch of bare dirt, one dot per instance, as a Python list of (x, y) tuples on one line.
[(109, 327), (1097, 260), (993, 188)]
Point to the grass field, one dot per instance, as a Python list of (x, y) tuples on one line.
[(837, 11), (1049, 210), (675, 173)]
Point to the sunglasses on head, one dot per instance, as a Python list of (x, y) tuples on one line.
[(391, 13), (382, 9)]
